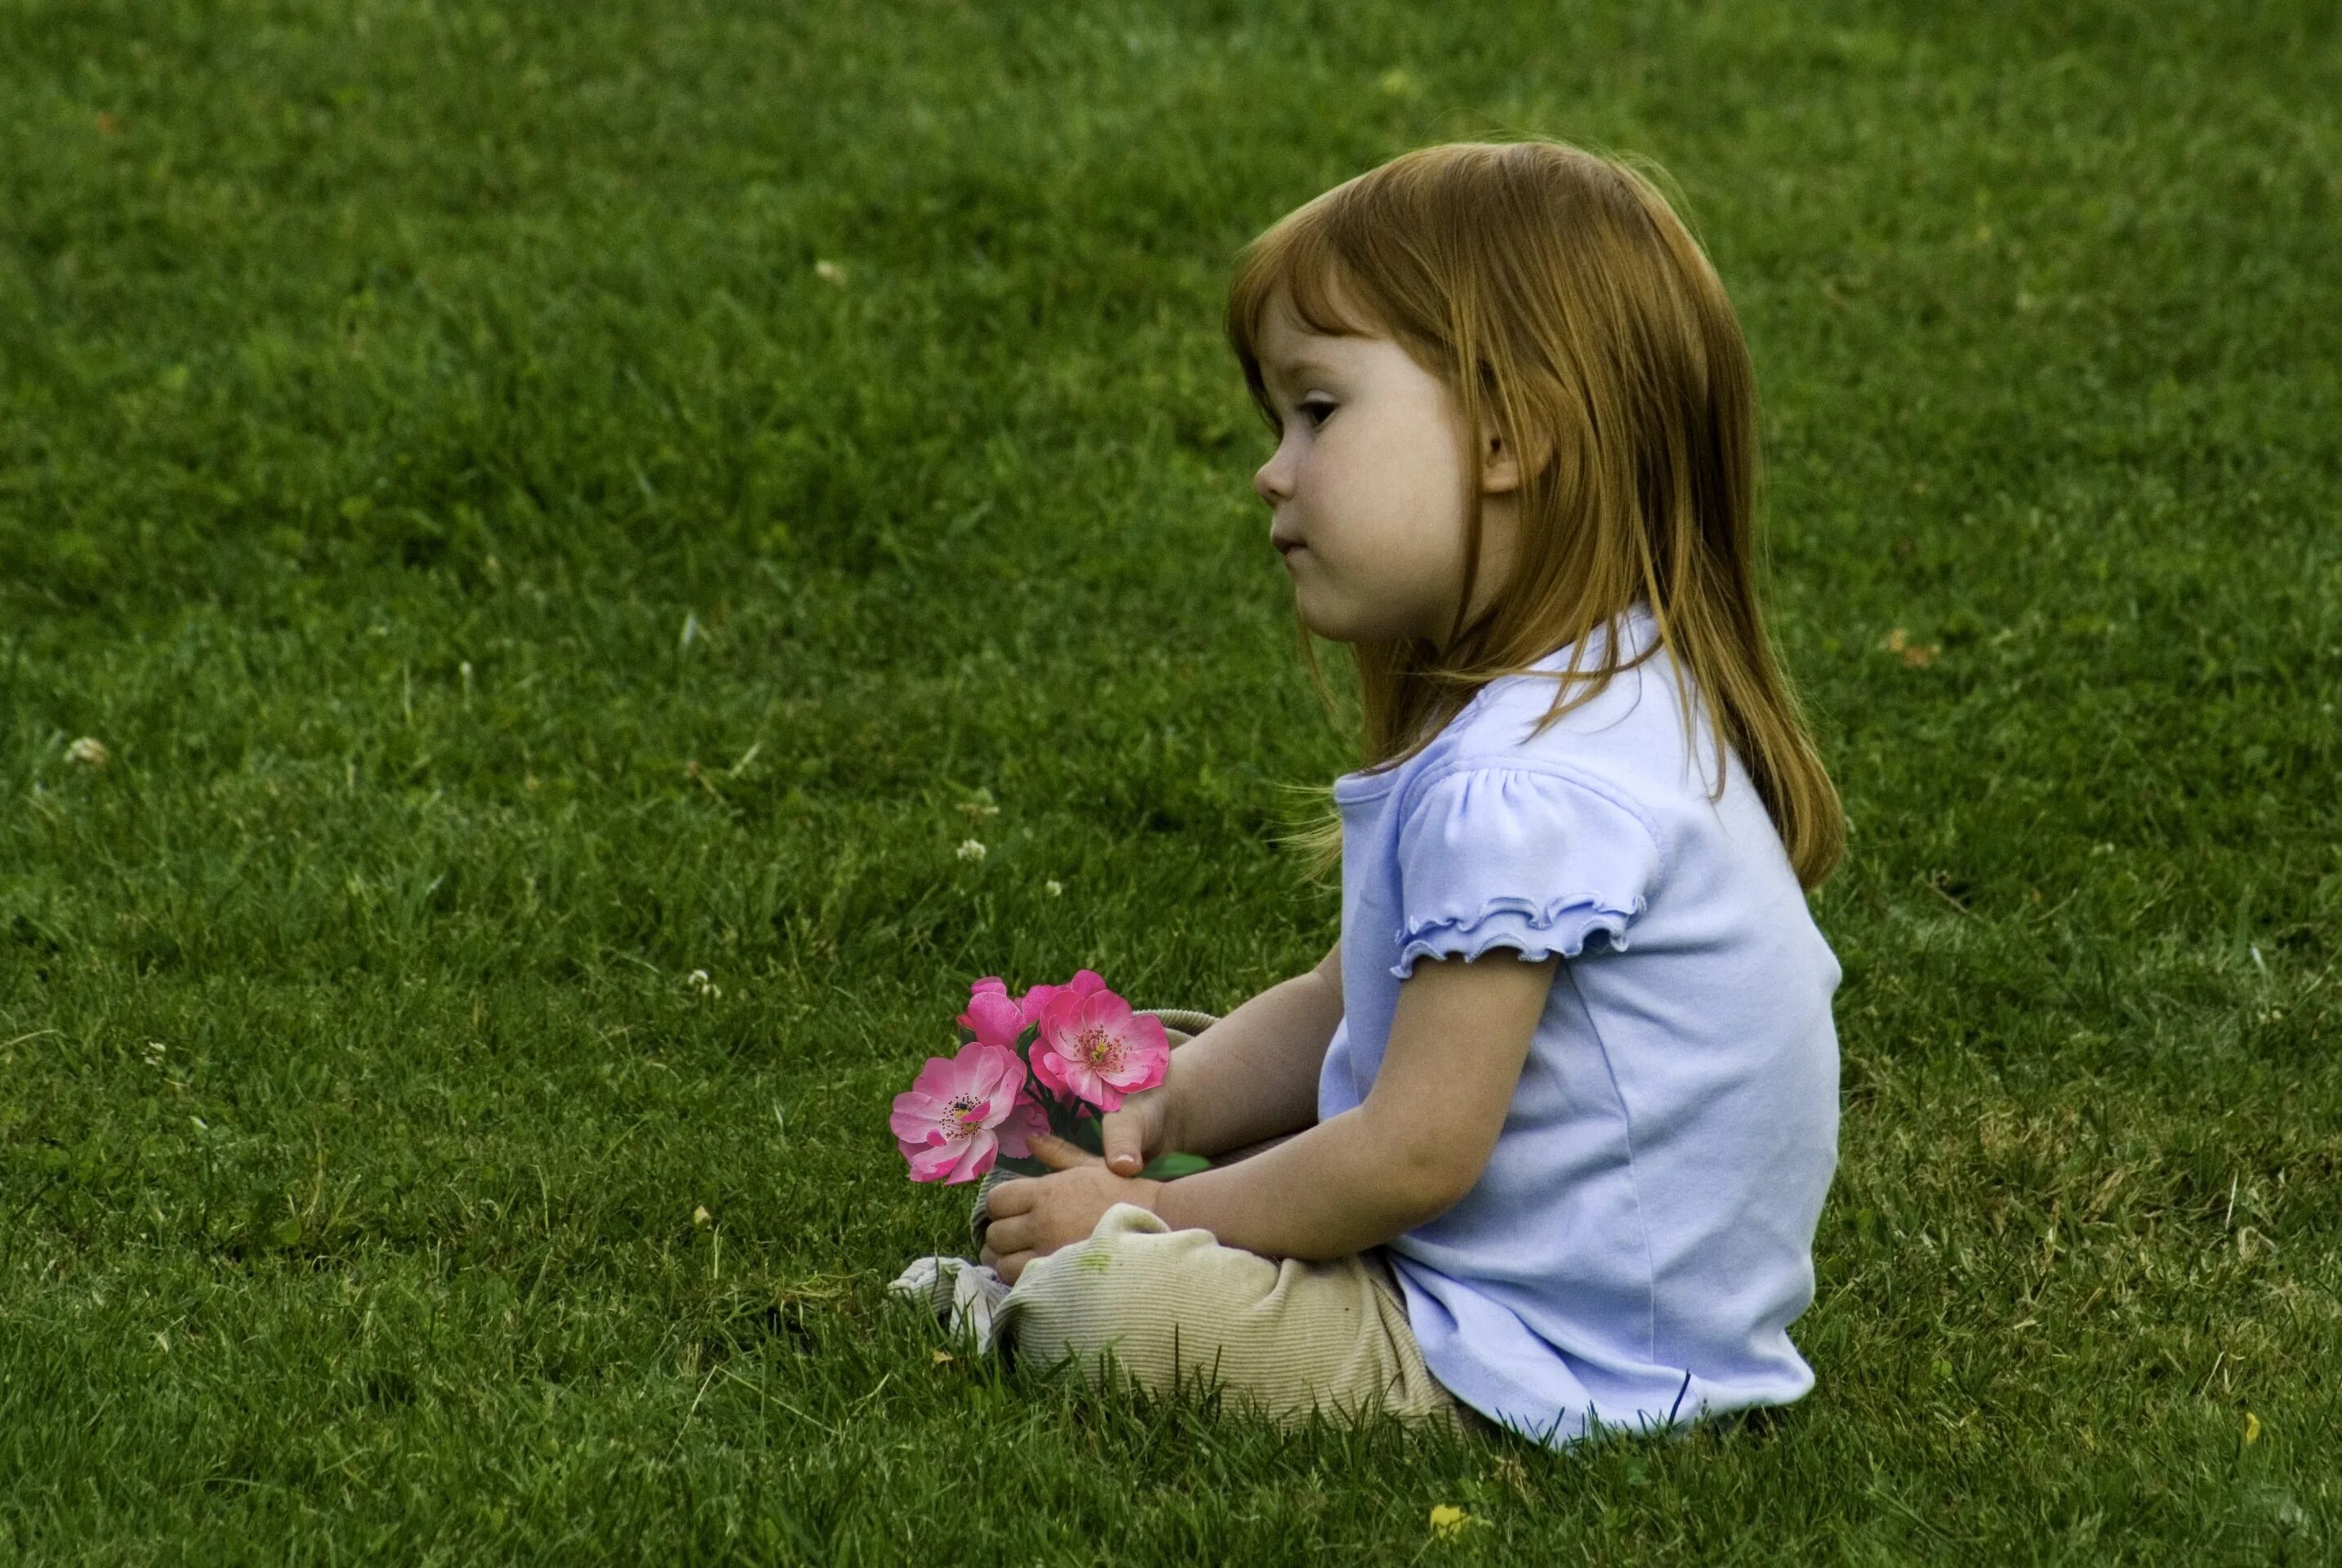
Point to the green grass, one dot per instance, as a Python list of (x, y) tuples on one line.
[(510, 575)]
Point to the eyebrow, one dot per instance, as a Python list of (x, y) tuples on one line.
[(1297, 369)]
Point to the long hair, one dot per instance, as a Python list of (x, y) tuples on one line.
[(1563, 302)]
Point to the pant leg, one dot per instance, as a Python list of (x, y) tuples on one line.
[(1176, 1307)]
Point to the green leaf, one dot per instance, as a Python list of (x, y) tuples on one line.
[(1065, 1120), (1164, 1167)]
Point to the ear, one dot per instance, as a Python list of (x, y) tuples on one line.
[(1500, 468)]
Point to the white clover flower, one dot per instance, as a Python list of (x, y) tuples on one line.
[(698, 981), (89, 751), (1054, 888), (970, 850)]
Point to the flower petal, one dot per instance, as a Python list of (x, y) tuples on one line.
[(1001, 1076), (944, 1077), (994, 1019), (1050, 1068), (1035, 999), (1027, 1119), (912, 1123), (935, 1164), (976, 1158)]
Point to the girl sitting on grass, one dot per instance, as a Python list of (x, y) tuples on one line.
[(1543, 1142)]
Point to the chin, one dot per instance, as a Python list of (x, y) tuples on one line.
[(1338, 628), (1336, 623)]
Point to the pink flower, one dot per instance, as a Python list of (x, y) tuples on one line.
[(991, 1017), (1094, 1046), (964, 1112), (1087, 981)]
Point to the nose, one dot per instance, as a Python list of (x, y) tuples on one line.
[(1271, 482)]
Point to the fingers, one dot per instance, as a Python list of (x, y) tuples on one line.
[(1120, 1134), (1057, 1154)]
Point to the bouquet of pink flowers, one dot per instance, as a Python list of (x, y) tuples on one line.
[(1054, 1061)]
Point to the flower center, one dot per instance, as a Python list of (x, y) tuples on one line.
[(965, 1114), (1101, 1050)]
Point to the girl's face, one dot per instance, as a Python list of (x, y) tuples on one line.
[(1366, 490)]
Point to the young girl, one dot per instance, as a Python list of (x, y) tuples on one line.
[(1567, 1088)]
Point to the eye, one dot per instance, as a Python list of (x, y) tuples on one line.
[(1317, 410)]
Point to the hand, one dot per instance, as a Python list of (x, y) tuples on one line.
[(1035, 1215), (1139, 1131)]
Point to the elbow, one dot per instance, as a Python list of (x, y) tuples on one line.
[(1422, 1169), (1434, 1181)]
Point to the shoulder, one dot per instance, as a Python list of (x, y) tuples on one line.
[(1640, 738), (1614, 747), (1511, 793), (1495, 851)]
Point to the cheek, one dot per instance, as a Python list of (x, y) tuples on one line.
[(1413, 447), (1349, 478), (1324, 488)]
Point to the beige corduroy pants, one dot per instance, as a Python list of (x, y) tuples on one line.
[(1175, 1308)]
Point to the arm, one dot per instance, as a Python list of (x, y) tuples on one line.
[(1458, 1046), (1254, 1074)]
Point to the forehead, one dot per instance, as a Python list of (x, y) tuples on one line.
[(1290, 347)]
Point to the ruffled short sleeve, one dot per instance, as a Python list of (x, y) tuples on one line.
[(1502, 856)]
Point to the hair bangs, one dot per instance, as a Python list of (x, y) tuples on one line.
[(1299, 258)]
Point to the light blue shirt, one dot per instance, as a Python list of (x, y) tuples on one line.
[(1642, 1235)]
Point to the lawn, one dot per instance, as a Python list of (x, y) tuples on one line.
[(540, 502)]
